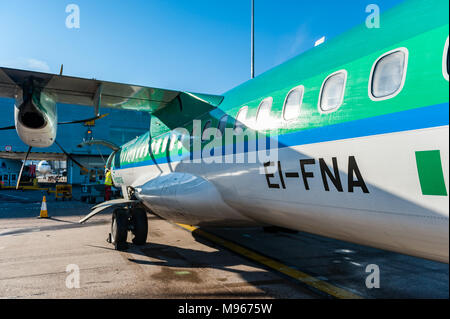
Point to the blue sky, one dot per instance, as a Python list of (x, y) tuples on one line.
[(195, 45)]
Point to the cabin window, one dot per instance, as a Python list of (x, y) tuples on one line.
[(164, 144), (445, 62), (240, 120), (157, 146), (152, 146), (173, 140), (388, 74), (221, 126), (205, 134), (263, 114), (332, 91), (293, 102)]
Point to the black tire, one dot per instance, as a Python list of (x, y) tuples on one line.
[(119, 228), (139, 224)]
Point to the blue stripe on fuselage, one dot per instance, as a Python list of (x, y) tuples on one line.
[(424, 117), (413, 119)]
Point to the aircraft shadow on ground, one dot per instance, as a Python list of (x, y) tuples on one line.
[(175, 261)]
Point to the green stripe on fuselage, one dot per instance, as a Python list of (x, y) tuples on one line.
[(431, 177)]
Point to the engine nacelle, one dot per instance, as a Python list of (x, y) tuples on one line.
[(35, 118)]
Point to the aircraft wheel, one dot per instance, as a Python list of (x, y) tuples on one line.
[(119, 228), (139, 224)]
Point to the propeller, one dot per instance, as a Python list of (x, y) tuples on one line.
[(23, 165), (12, 127), (62, 149), (85, 120), (92, 119), (110, 145), (70, 156)]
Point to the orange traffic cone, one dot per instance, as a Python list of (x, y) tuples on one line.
[(43, 213)]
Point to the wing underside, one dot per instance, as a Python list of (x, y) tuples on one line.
[(98, 94)]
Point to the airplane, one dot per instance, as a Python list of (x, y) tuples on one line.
[(44, 168), (359, 126), (9, 171)]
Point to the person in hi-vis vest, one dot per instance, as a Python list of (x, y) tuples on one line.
[(108, 184)]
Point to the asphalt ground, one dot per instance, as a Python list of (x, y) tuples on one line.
[(39, 257)]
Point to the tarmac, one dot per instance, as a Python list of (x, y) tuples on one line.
[(59, 258)]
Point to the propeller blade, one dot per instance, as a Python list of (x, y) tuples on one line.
[(73, 160), (85, 120), (23, 165), (108, 144), (12, 127)]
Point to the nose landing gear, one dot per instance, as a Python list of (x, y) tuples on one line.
[(128, 219)]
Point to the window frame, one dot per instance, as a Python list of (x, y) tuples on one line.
[(236, 118), (300, 105), (445, 61), (321, 111), (405, 68), (259, 108)]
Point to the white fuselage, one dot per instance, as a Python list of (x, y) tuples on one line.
[(393, 214)]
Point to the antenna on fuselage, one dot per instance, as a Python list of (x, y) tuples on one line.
[(252, 53)]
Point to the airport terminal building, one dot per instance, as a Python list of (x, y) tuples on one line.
[(118, 127)]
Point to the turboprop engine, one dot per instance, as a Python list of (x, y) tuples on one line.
[(35, 119)]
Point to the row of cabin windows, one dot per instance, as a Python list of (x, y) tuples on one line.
[(386, 81)]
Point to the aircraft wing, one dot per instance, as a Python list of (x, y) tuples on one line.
[(96, 93)]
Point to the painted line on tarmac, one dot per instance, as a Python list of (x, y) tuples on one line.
[(314, 282), (17, 197)]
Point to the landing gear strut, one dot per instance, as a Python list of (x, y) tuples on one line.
[(128, 219)]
